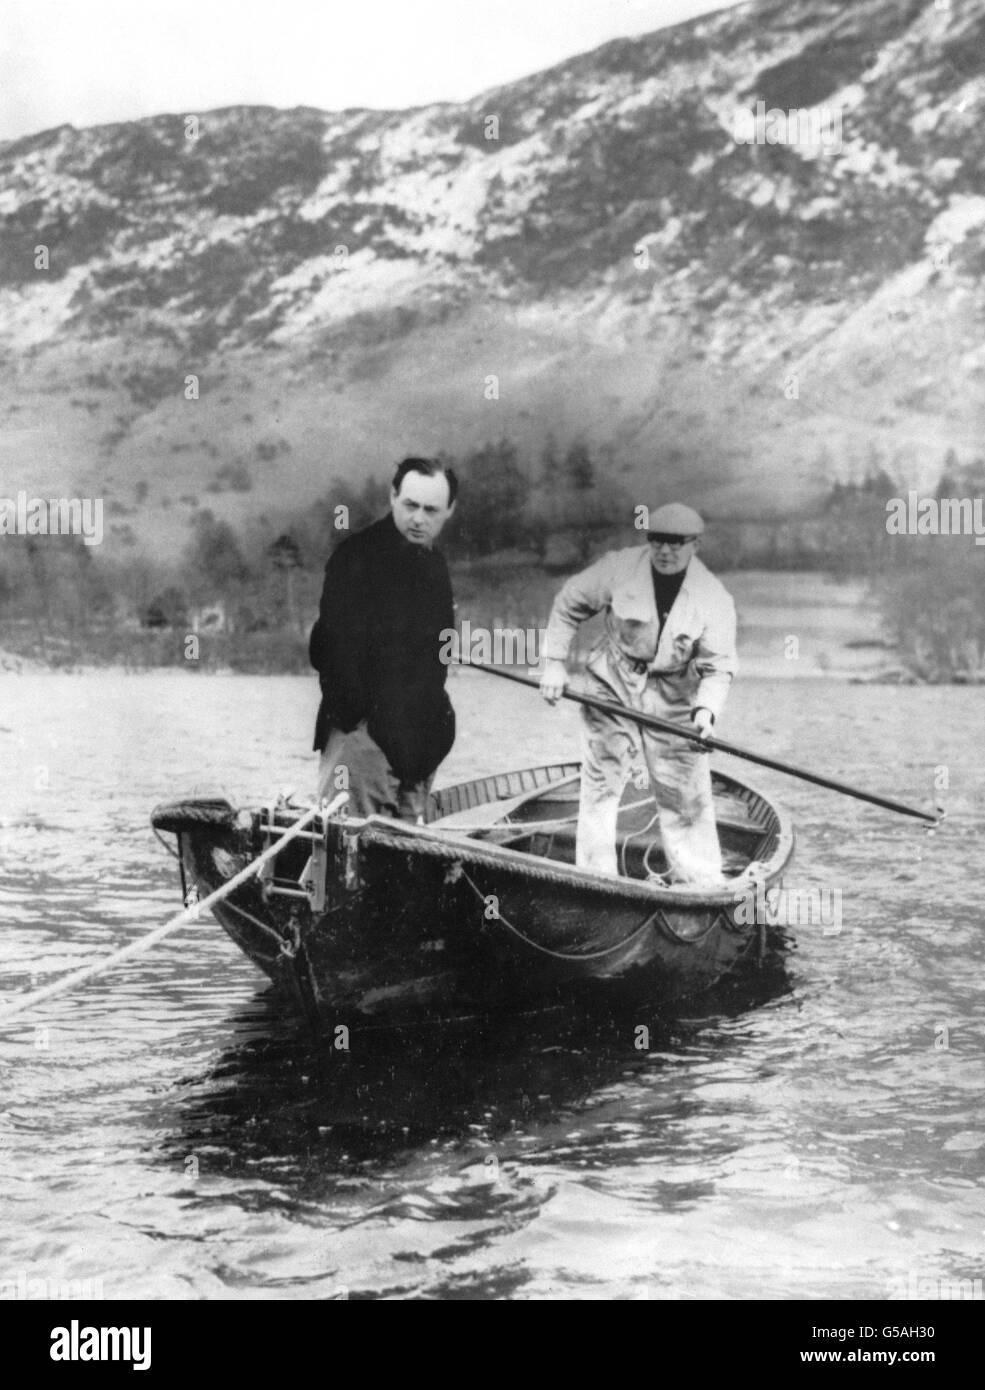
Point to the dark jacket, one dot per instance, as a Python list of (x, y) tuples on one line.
[(376, 648)]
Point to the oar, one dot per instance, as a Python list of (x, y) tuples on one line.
[(663, 726)]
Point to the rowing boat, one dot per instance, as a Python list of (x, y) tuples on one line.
[(480, 907)]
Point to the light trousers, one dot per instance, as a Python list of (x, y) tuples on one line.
[(680, 779), (355, 763)]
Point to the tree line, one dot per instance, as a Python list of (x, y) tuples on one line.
[(66, 602)]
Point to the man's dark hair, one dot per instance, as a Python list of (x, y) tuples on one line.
[(430, 468)]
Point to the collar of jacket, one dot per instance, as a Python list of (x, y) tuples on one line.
[(386, 529), (637, 599)]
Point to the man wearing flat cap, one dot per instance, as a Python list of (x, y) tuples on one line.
[(668, 649)]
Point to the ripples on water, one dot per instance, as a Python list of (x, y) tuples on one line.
[(168, 1131)]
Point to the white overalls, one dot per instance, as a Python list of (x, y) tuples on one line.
[(692, 664)]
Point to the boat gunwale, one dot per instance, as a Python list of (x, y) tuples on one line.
[(383, 831), (482, 851)]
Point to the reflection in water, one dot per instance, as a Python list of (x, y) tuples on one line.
[(316, 1110), (461, 1127)]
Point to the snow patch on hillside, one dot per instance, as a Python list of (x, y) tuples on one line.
[(319, 293), (963, 213), (36, 314)]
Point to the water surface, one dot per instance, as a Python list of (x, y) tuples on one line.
[(168, 1131)]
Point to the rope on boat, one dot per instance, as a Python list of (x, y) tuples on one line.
[(22, 1002), (173, 816), (570, 956), (632, 835), (417, 839), (282, 942)]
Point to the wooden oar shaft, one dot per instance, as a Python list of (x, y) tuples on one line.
[(664, 726)]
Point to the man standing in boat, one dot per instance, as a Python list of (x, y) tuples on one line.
[(669, 650), (385, 720)]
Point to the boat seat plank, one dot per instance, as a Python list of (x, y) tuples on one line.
[(487, 813)]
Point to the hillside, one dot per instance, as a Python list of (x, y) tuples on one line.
[(343, 284)]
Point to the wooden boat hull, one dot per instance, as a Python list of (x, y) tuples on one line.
[(423, 923)]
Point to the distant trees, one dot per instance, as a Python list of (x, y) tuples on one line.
[(560, 506), (934, 609), (495, 493), (961, 479), (550, 467), (572, 511), (286, 558), (578, 471), (557, 506), (168, 608), (573, 473), (855, 513), (581, 501), (932, 592), (213, 558), (342, 508), (57, 586)]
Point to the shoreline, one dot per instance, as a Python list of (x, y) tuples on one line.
[(793, 625), (751, 668)]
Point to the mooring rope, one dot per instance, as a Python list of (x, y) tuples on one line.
[(419, 839), (21, 1002), (570, 956)]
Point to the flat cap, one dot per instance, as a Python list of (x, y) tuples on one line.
[(674, 519)]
